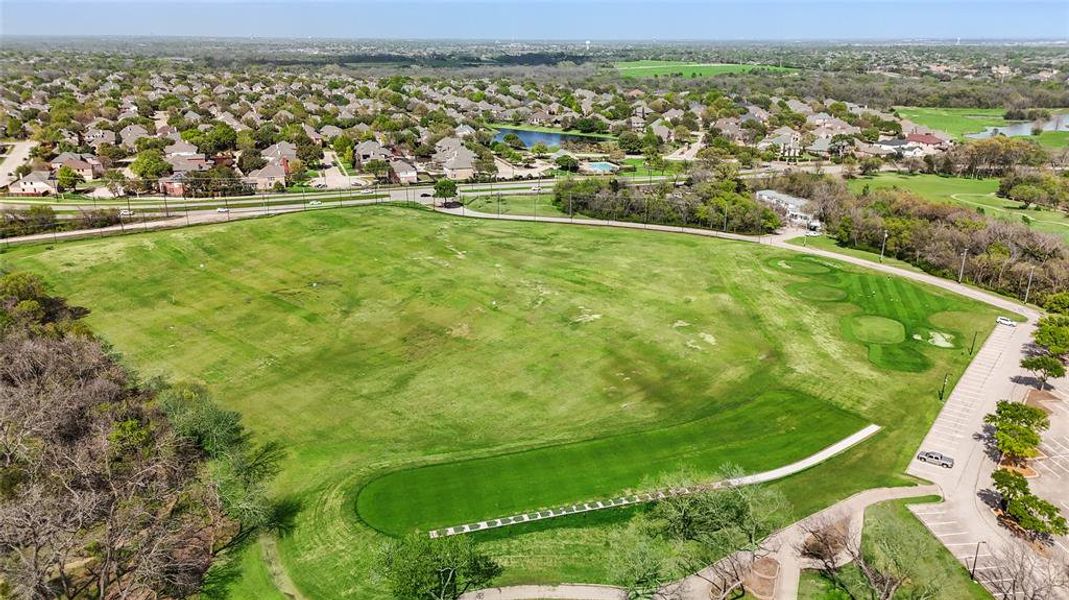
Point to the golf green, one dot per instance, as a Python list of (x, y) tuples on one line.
[(877, 330), (422, 369)]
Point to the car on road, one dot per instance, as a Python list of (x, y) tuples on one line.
[(936, 458), (536, 188), (314, 203), (222, 209), (1005, 321)]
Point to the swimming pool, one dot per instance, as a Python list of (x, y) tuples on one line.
[(602, 167)]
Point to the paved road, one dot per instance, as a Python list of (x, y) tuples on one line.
[(16, 157)]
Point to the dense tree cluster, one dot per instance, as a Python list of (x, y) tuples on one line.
[(111, 487), (713, 201)]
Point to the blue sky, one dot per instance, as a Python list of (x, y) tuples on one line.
[(545, 19)]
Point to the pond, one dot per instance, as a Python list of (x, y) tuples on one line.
[(549, 138), (1056, 123)]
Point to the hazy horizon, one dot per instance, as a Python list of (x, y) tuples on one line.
[(545, 20)]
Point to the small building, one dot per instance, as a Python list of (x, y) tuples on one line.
[(797, 210)]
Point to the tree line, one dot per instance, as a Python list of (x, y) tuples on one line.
[(42, 219), (946, 240), (712, 200), (111, 486)]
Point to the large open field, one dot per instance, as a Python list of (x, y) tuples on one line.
[(955, 121), (961, 121), (423, 370), (665, 68), (977, 194)]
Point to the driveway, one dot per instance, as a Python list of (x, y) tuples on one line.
[(17, 155)]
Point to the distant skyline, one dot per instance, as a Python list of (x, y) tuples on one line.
[(506, 20)]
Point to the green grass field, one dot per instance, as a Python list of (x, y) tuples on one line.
[(662, 68), (540, 205), (976, 194), (955, 121), (961, 121), (574, 132), (933, 562), (421, 369)]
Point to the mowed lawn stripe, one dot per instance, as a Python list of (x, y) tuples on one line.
[(773, 429)]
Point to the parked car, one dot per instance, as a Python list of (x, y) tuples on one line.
[(1005, 321), (425, 195), (936, 458), (222, 209), (126, 213), (320, 186), (314, 203)]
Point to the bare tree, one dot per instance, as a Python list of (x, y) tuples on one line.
[(1016, 571), (886, 561)]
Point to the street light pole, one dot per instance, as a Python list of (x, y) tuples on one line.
[(1028, 290), (883, 245), (975, 557), (961, 272)]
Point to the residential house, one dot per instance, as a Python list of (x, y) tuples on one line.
[(181, 148), (267, 177), (369, 150), (98, 137), (329, 132), (661, 130), (282, 153), (461, 165), (131, 133), (86, 165), (787, 140), (35, 183), (403, 172)]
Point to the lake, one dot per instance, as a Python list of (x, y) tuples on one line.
[(1056, 123), (530, 138)]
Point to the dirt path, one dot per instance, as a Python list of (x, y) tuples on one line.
[(279, 576)]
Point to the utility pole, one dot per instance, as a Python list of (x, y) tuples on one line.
[(975, 557), (961, 272), (1028, 290), (883, 246), (943, 391)]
